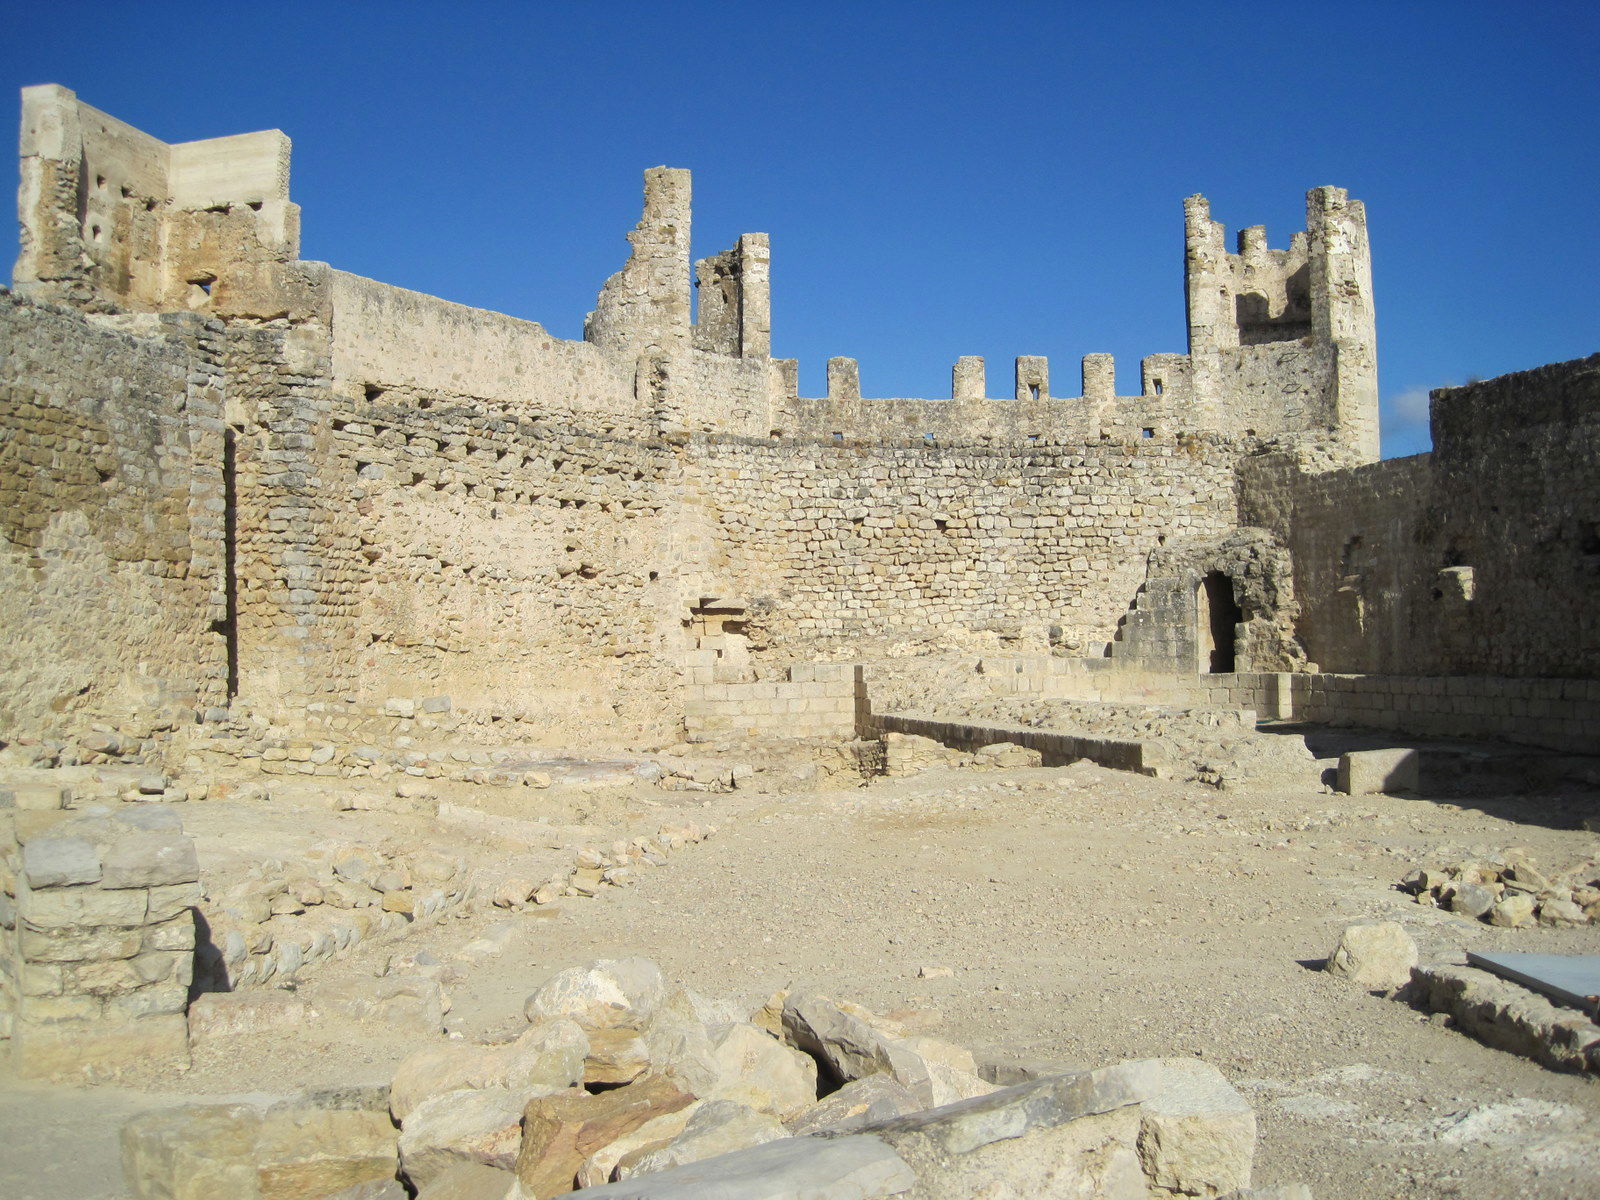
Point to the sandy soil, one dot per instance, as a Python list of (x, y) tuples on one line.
[(1087, 916)]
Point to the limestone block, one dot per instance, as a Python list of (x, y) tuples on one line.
[(855, 1106), (757, 1070), (1366, 772), (52, 1050), (58, 861), (1374, 956), (34, 797), (289, 1152), (616, 1055), (472, 1125), (605, 994), (717, 1127), (406, 1002), (1197, 1135), (69, 907), (653, 1134), (156, 859), (227, 1014), (560, 1132), (464, 1181), (547, 1058), (858, 1168)]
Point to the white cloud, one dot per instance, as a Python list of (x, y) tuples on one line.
[(1410, 407)]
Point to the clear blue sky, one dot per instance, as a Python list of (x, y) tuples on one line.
[(938, 179)]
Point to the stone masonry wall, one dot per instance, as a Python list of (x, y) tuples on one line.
[(112, 515), (849, 549), (520, 567), (97, 932), (1482, 558)]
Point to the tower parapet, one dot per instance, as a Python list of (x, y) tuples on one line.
[(1285, 338), (114, 219)]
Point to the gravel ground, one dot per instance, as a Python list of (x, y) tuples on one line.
[(1086, 916)]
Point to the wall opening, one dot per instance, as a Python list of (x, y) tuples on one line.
[(1033, 390), (1218, 619)]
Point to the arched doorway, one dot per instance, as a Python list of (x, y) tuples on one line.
[(1218, 621)]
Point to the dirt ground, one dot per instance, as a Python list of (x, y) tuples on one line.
[(1086, 916)]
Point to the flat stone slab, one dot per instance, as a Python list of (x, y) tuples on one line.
[(964, 1126), (1570, 979), (859, 1167)]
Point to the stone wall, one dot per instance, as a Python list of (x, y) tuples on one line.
[(1481, 558), (112, 509), (816, 700), (855, 548), (393, 347), (521, 567), (97, 932)]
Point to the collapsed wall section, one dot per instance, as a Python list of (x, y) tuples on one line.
[(112, 510)]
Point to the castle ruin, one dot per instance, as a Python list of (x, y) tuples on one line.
[(258, 510)]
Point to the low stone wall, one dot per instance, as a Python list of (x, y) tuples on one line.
[(1561, 714), (279, 921), (1057, 749), (817, 700), (97, 932), (1098, 679), (1501, 1014)]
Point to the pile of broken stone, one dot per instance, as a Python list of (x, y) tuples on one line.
[(277, 919), (1510, 891), (594, 870), (626, 1085)]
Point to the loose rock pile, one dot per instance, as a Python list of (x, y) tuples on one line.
[(1510, 891), (594, 869), (630, 1086)]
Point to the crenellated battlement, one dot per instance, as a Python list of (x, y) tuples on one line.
[(1280, 340)]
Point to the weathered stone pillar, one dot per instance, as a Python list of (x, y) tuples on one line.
[(844, 379), (1033, 377), (967, 378), (1099, 378)]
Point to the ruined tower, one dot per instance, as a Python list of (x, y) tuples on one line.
[(1285, 336)]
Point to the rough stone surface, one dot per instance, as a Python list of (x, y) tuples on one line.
[(560, 1132), (1197, 1135), (715, 1127), (856, 1105), (547, 1058), (473, 1125), (1374, 956), (848, 1168)]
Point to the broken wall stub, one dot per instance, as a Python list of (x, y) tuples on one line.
[(645, 307), (1197, 595), (97, 933)]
